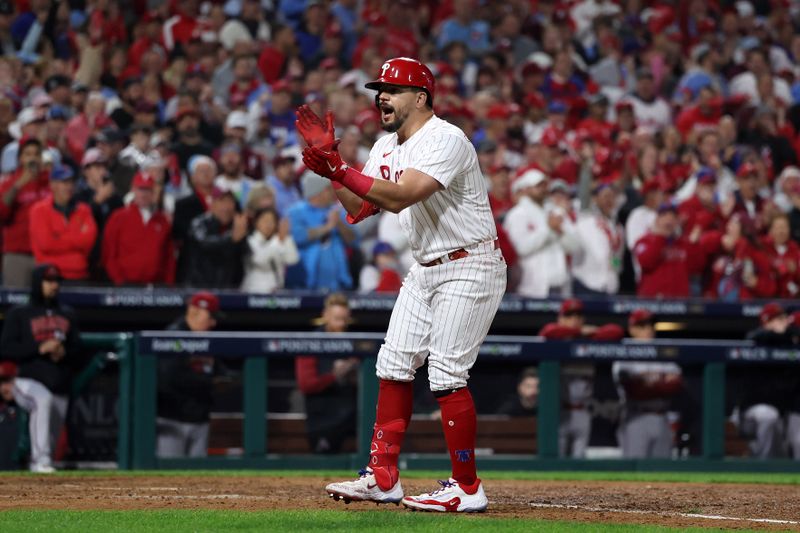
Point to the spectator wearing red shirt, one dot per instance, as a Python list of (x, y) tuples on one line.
[(784, 254), (329, 385), (180, 28), (62, 229), (275, 54), (701, 209), (19, 191), (500, 199), (705, 113), (666, 258), (596, 125), (747, 202), (245, 80), (739, 268), (137, 244), (563, 84)]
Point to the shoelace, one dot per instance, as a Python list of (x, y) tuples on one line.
[(446, 484), (363, 473)]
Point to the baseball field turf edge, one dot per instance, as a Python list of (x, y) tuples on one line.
[(668, 477), (178, 521)]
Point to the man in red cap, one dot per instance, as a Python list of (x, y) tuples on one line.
[(577, 380), (19, 190), (646, 389), (185, 386), (666, 258), (137, 244), (747, 200)]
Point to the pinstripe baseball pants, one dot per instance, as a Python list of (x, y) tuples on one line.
[(443, 313)]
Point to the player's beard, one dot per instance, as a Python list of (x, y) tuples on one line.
[(399, 119)]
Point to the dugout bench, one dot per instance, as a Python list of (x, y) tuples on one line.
[(258, 430)]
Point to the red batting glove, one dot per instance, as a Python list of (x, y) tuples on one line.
[(313, 130), (327, 164)]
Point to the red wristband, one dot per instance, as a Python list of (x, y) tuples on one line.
[(357, 182)]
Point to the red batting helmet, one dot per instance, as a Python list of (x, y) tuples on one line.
[(406, 72)]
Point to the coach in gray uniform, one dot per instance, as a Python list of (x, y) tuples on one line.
[(646, 390), (185, 387)]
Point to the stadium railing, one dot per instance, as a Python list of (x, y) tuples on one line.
[(258, 349)]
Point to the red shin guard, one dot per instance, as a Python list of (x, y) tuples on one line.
[(460, 425), (391, 420), (386, 441)]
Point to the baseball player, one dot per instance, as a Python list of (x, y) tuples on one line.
[(427, 171), (646, 389), (39, 402)]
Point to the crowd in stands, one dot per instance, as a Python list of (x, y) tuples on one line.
[(645, 147)]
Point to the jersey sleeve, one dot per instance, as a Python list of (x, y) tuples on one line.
[(443, 158)]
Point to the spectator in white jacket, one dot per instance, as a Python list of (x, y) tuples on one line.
[(597, 265), (270, 250), (542, 236)]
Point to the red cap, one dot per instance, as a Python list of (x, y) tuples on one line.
[(571, 305), (281, 85), (8, 370), (640, 316), (550, 138), (143, 180), (650, 186), (623, 104), (333, 30), (746, 169), (185, 112), (51, 273), (770, 311), (377, 19), (535, 100), (205, 300), (498, 112)]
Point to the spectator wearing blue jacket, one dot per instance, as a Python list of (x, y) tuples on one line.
[(321, 232)]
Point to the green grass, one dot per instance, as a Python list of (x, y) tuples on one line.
[(673, 477), (361, 521)]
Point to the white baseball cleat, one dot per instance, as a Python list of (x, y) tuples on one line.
[(366, 489), (450, 498), (42, 469)]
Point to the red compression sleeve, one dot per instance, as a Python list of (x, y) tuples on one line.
[(357, 182)]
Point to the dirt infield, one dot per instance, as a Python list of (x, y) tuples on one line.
[(738, 506)]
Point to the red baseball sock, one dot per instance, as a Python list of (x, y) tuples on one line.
[(460, 425), (395, 400)]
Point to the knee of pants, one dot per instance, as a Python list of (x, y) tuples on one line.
[(397, 366), (443, 377)]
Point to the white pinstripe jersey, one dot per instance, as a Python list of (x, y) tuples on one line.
[(456, 217)]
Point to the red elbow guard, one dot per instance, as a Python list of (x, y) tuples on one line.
[(367, 210)]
